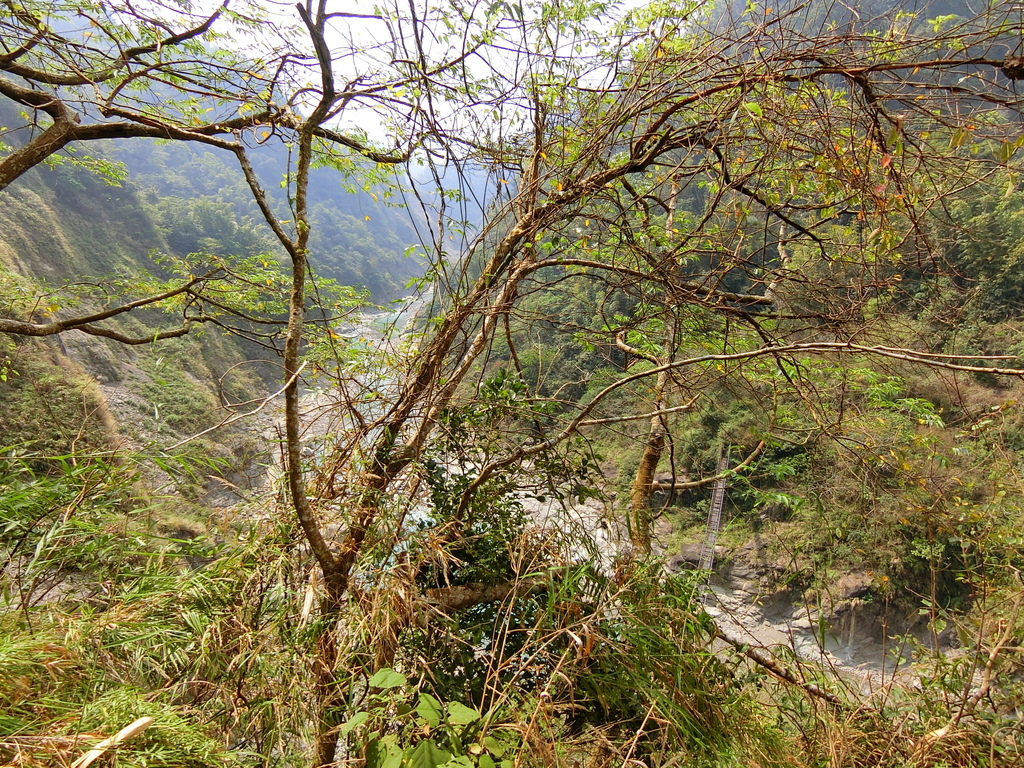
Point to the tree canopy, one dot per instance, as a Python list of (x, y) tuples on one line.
[(682, 203)]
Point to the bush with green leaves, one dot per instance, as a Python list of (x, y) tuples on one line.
[(398, 724), (575, 662)]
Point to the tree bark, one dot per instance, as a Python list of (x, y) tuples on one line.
[(643, 481), (331, 692)]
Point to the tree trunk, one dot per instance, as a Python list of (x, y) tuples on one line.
[(643, 481), (330, 692)]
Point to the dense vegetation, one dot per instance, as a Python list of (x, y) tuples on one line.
[(787, 233)]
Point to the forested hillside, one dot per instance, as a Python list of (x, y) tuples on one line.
[(200, 202), (770, 252), (178, 200), (117, 222)]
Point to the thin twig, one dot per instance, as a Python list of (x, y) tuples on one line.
[(238, 416)]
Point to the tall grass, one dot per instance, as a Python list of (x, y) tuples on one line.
[(105, 620)]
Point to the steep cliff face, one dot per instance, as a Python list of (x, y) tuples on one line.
[(51, 405), (72, 239), (68, 243), (64, 223)]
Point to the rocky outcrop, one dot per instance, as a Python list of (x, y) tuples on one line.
[(846, 625)]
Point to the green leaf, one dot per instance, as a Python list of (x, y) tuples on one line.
[(384, 753), (462, 761), (430, 710), (387, 678), (485, 761), (460, 714), (494, 746), (353, 722), (426, 754), (1006, 150)]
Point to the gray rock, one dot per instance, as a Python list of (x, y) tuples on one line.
[(851, 585), (94, 355)]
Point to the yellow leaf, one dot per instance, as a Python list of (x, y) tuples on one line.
[(366, 218)]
